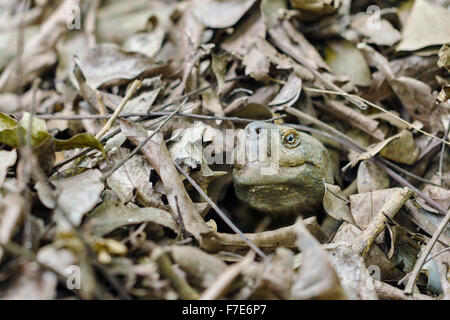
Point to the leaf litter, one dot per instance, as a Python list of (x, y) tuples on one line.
[(104, 118)]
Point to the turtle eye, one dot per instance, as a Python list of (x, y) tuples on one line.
[(290, 138)]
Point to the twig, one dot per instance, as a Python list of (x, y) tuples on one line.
[(136, 84), (183, 288), (220, 213), (387, 292), (407, 173), (150, 114), (32, 110), (28, 159), (437, 253), (441, 158), (405, 183), (421, 261), (90, 23), (378, 223), (283, 237)]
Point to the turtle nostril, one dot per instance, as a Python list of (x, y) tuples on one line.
[(254, 129)]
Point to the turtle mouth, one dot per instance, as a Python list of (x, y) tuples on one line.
[(261, 164), (266, 174)]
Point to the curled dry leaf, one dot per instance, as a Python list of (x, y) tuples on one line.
[(276, 278), (257, 65), (372, 151), (38, 53), (415, 95), (335, 203), (427, 220), (221, 13), (290, 92), (365, 206), (110, 216), (245, 35), (439, 194), (107, 64)]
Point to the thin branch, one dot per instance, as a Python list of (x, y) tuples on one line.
[(150, 114), (441, 158), (135, 86), (421, 261), (437, 253)]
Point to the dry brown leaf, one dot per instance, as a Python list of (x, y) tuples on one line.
[(383, 35), (317, 278), (289, 93), (76, 196), (403, 149), (110, 216), (221, 13), (346, 60), (427, 25), (202, 269), (370, 177), (335, 203), (347, 234), (107, 64), (352, 272)]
